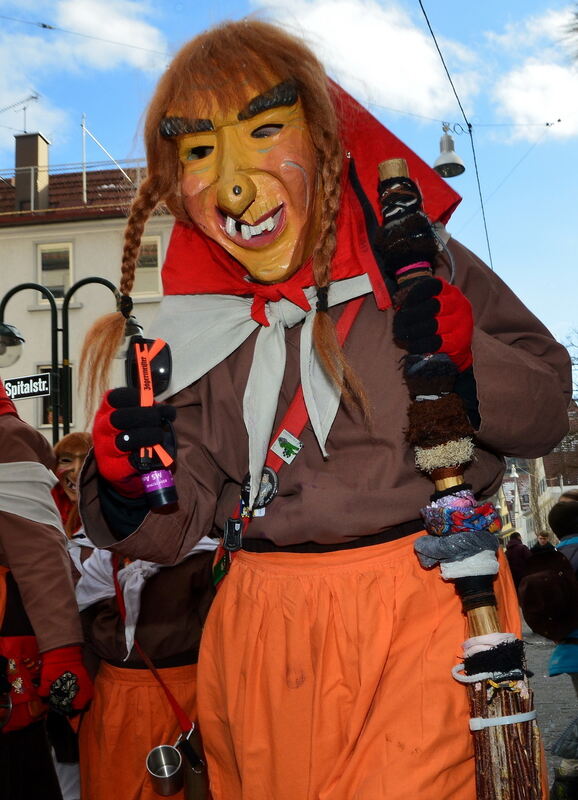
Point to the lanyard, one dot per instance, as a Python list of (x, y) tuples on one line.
[(291, 426)]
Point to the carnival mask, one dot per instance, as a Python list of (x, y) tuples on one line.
[(68, 466), (249, 180)]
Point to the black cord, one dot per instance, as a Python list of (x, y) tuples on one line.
[(468, 123)]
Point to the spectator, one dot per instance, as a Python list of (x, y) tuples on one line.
[(517, 554), (563, 519)]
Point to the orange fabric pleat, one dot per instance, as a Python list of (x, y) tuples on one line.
[(128, 716), (328, 677)]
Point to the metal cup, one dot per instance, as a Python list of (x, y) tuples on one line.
[(165, 768)]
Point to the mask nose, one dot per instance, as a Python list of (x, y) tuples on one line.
[(235, 194)]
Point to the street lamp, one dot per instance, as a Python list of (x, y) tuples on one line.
[(11, 341), (10, 345)]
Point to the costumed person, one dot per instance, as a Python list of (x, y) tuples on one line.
[(130, 714), (517, 554), (70, 452), (41, 663), (563, 519), (325, 664)]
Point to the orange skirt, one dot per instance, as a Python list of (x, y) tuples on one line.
[(128, 716), (328, 677)]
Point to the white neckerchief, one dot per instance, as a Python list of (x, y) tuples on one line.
[(202, 330), (97, 582)]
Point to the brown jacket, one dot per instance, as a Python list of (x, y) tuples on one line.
[(36, 552), (370, 482)]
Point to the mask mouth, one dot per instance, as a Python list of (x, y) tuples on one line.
[(261, 233), (69, 484)]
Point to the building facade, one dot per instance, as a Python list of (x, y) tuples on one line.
[(58, 226)]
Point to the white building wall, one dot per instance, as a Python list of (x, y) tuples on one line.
[(96, 251)]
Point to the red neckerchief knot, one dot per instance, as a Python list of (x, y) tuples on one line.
[(275, 292)]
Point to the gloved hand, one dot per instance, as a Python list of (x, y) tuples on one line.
[(435, 317), (121, 428), (64, 681)]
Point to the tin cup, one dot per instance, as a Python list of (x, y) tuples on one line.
[(165, 768)]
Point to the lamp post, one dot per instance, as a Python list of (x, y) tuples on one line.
[(60, 390), (66, 371), (54, 376)]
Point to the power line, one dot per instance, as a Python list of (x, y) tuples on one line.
[(469, 126), (45, 26)]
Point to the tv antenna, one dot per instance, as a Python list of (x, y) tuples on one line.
[(21, 105)]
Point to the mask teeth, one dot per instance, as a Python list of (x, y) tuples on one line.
[(230, 226)]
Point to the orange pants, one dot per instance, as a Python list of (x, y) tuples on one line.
[(128, 716), (328, 677)]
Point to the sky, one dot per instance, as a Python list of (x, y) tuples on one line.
[(514, 66)]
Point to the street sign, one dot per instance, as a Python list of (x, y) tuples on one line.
[(28, 386)]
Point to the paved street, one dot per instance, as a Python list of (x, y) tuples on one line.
[(554, 697)]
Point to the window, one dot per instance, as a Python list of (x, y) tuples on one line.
[(147, 275), (45, 403), (55, 267)]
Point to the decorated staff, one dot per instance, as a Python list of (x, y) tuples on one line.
[(461, 532)]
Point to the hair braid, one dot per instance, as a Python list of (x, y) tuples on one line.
[(105, 336), (324, 332)]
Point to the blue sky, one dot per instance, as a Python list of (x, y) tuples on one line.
[(512, 63)]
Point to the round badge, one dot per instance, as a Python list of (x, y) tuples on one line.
[(268, 488)]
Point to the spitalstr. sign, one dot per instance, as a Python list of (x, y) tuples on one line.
[(28, 386)]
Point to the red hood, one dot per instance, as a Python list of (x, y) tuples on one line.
[(6, 404), (197, 265)]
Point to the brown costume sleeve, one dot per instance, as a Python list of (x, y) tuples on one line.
[(36, 553), (370, 482), (522, 374)]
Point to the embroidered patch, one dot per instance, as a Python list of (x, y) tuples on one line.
[(286, 446)]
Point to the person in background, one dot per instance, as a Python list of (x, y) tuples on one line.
[(70, 453), (563, 519), (517, 554), (543, 543), (41, 662)]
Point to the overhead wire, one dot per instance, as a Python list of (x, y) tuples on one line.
[(47, 27), (470, 132)]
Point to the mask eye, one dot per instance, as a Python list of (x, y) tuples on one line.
[(197, 153), (264, 131)]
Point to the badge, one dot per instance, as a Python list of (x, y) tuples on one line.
[(286, 446), (268, 488)]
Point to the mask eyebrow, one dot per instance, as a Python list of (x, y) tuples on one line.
[(178, 126), (283, 94)]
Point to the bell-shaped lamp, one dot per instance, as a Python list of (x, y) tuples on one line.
[(10, 344), (448, 164)]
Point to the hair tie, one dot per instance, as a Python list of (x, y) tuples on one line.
[(125, 305), (322, 304)]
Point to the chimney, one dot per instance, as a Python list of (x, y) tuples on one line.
[(31, 172)]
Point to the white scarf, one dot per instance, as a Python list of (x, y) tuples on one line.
[(25, 491), (202, 330), (97, 582)]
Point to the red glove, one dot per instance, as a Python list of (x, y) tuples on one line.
[(121, 428), (64, 680), (436, 318)]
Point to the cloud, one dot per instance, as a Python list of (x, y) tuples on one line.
[(543, 88), (118, 21), (29, 56), (379, 54)]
